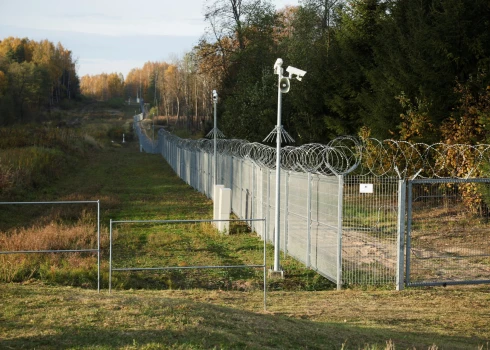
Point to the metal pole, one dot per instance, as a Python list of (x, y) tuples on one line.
[(265, 267), (110, 255), (98, 246), (409, 233), (278, 176), (308, 223), (286, 215), (215, 167), (340, 202), (401, 230)]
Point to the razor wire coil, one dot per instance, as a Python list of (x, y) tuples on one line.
[(347, 155)]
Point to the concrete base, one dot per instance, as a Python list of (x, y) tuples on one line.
[(276, 274)]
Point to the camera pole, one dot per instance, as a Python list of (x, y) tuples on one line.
[(281, 135)]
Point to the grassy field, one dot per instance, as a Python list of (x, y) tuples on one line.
[(35, 316), (50, 302)]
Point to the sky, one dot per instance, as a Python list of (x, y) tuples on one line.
[(111, 35)]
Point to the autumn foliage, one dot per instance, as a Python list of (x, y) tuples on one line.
[(34, 76)]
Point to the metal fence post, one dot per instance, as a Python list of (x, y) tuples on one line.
[(409, 229), (339, 230), (110, 255), (253, 196), (402, 187), (98, 246), (308, 222), (286, 214)]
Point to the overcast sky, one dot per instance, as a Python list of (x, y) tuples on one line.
[(109, 35)]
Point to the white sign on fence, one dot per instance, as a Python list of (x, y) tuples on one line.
[(366, 188)]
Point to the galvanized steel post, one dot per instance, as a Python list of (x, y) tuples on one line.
[(340, 201), (402, 187), (277, 229)]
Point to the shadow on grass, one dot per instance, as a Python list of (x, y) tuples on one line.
[(133, 322)]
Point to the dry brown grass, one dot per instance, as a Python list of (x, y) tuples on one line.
[(52, 234)]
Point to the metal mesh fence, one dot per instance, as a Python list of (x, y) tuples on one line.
[(369, 241), (329, 226), (449, 231)]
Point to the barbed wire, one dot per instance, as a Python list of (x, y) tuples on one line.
[(352, 155)]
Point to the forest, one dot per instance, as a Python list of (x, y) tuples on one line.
[(34, 78), (414, 70)]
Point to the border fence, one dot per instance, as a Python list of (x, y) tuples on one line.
[(343, 205), (448, 241)]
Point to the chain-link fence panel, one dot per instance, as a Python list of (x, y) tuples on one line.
[(369, 236), (448, 232)]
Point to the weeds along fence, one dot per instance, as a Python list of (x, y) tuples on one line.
[(58, 242), (342, 204)]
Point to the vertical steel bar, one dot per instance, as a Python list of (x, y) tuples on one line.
[(268, 201), (409, 233), (98, 246), (110, 255), (277, 229), (240, 185), (253, 197), (402, 187), (215, 149), (308, 222), (339, 230), (265, 269), (286, 214)]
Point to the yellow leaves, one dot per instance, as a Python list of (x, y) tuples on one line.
[(415, 122), (3, 83)]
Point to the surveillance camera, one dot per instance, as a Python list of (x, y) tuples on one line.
[(278, 66), (295, 72), (215, 96)]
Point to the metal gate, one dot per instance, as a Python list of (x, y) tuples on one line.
[(448, 232)]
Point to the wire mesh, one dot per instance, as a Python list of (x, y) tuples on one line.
[(369, 237), (324, 225), (449, 231)]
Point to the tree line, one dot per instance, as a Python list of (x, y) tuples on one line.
[(410, 70), (34, 77)]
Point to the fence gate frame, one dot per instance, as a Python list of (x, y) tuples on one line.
[(263, 266), (409, 220)]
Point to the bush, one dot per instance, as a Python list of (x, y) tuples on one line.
[(115, 102)]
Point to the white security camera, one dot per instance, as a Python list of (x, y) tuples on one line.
[(278, 66), (295, 72), (215, 96)]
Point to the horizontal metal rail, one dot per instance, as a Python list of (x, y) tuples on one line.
[(56, 251), (186, 267), (51, 251), (178, 221), (55, 202)]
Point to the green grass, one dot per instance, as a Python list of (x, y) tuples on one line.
[(43, 317), (136, 186), (56, 307)]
